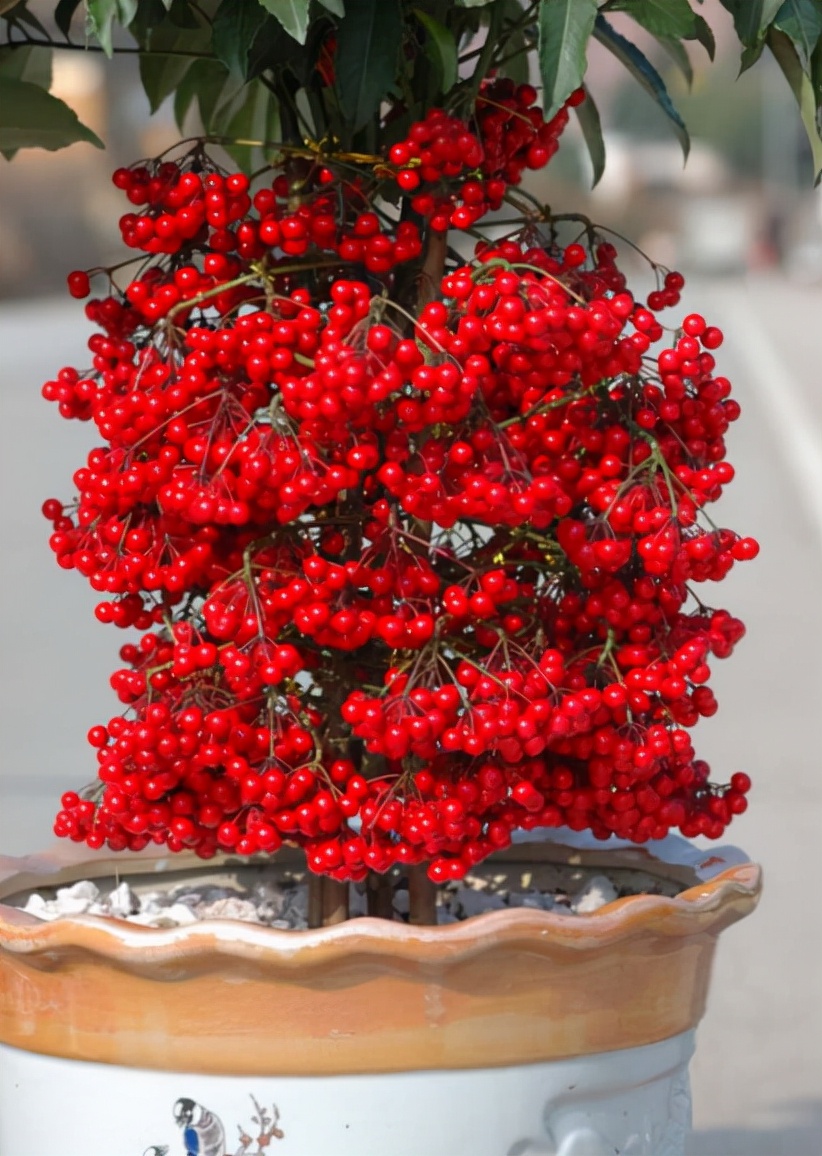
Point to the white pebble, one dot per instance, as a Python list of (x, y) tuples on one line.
[(233, 908), (42, 908), (179, 913), (598, 891), (122, 901), (68, 906), (85, 889)]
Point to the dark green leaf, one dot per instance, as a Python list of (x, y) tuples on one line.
[(27, 63), (801, 20), (660, 17), (149, 18), (292, 14), (642, 70), (335, 6), (233, 31), (63, 14), (251, 124), (751, 18), (104, 14), (19, 14), (161, 75), (803, 90), (679, 54), (30, 117), (368, 46), (589, 122), (185, 14), (272, 47), (705, 36), (170, 51), (565, 27), (203, 83), (440, 48), (750, 55)]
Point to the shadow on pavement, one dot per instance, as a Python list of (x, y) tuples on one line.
[(801, 1136)]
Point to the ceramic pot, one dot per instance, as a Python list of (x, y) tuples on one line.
[(515, 1032)]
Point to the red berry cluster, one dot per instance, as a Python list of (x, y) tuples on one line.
[(407, 581), (458, 171)]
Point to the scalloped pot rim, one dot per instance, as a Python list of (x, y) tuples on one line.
[(508, 987), (729, 889)]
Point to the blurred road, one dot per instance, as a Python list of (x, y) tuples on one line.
[(756, 1076)]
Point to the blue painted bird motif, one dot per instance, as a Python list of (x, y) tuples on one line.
[(203, 1133)]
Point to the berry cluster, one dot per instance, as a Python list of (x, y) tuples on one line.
[(407, 579), (458, 172)]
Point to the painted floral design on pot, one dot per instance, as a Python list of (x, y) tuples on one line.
[(204, 1134)]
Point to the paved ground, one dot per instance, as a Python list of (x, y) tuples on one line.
[(757, 1071)]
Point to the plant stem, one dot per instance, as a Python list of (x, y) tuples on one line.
[(380, 895), (327, 901), (422, 894)]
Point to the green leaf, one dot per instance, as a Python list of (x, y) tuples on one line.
[(801, 20), (642, 70), (187, 13), (679, 54), (565, 27), (705, 35), (30, 117), (203, 83), (337, 7), (751, 18), (660, 17), (18, 13), (589, 122), (783, 49), (252, 121), (102, 16), (474, 3), (151, 16), (161, 75), (292, 14), (233, 31), (63, 14), (27, 63), (750, 55), (164, 63), (272, 47), (368, 47), (441, 49)]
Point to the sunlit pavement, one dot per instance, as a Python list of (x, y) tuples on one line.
[(756, 1075)]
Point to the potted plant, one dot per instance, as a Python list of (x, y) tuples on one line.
[(404, 489)]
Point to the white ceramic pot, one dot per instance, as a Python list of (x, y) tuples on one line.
[(516, 1032)]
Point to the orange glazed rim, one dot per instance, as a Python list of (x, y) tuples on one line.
[(725, 887)]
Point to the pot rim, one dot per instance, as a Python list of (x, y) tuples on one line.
[(725, 886)]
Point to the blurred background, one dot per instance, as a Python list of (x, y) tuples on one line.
[(744, 224)]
